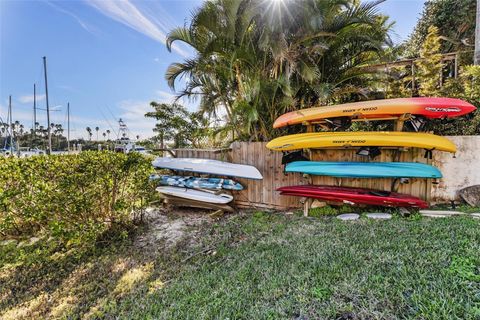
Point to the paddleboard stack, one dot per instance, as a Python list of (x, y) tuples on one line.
[(339, 117), (201, 192)]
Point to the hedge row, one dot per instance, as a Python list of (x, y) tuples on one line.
[(71, 197)]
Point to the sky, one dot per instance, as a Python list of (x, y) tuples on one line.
[(106, 58)]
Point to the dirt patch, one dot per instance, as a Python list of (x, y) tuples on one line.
[(165, 229)]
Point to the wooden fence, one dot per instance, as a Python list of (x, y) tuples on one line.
[(262, 194)]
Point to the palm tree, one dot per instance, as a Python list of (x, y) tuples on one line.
[(108, 134), (104, 135), (89, 131), (256, 59), (15, 126), (96, 129)]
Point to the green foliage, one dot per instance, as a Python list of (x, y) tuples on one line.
[(74, 198), (255, 266), (466, 87), (323, 269), (38, 138), (322, 211), (470, 78), (430, 64), (456, 22), (174, 123), (256, 60), (331, 211), (321, 293), (181, 128), (399, 83), (465, 268)]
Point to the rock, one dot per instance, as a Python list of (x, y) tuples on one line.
[(289, 213), (379, 216), (22, 244), (476, 215), (8, 242), (33, 240), (439, 213), (471, 195), (348, 216), (404, 212), (433, 215)]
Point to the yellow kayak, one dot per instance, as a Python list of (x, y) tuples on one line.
[(361, 139)]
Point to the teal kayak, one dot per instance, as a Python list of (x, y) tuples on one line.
[(365, 169), (196, 182)]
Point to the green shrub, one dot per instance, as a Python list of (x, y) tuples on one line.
[(323, 211), (73, 198)]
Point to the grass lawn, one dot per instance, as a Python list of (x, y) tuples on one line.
[(258, 266)]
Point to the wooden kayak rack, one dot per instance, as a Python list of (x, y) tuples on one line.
[(399, 121), (398, 126)]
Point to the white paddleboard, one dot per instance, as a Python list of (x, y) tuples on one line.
[(215, 167), (196, 195)]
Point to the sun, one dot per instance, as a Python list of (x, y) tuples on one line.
[(277, 10)]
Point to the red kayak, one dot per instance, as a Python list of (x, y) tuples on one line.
[(428, 107), (354, 196)]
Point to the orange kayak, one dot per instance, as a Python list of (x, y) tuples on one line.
[(431, 108)]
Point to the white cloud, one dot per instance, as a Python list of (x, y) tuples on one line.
[(165, 96), (67, 88), (82, 23), (28, 98), (132, 16), (21, 115), (169, 97), (133, 114)]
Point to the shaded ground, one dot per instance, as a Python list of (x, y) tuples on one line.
[(254, 266)]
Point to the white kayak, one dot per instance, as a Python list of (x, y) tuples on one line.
[(196, 195), (215, 167)]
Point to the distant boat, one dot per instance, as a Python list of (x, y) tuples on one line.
[(22, 152), (29, 152), (123, 144)]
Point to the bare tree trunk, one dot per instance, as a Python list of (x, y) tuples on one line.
[(476, 57)]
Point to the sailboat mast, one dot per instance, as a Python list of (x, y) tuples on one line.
[(34, 109), (34, 127), (10, 123), (49, 151), (68, 126)]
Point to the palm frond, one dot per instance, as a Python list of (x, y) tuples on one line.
[(179, 69), (179, 34)]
